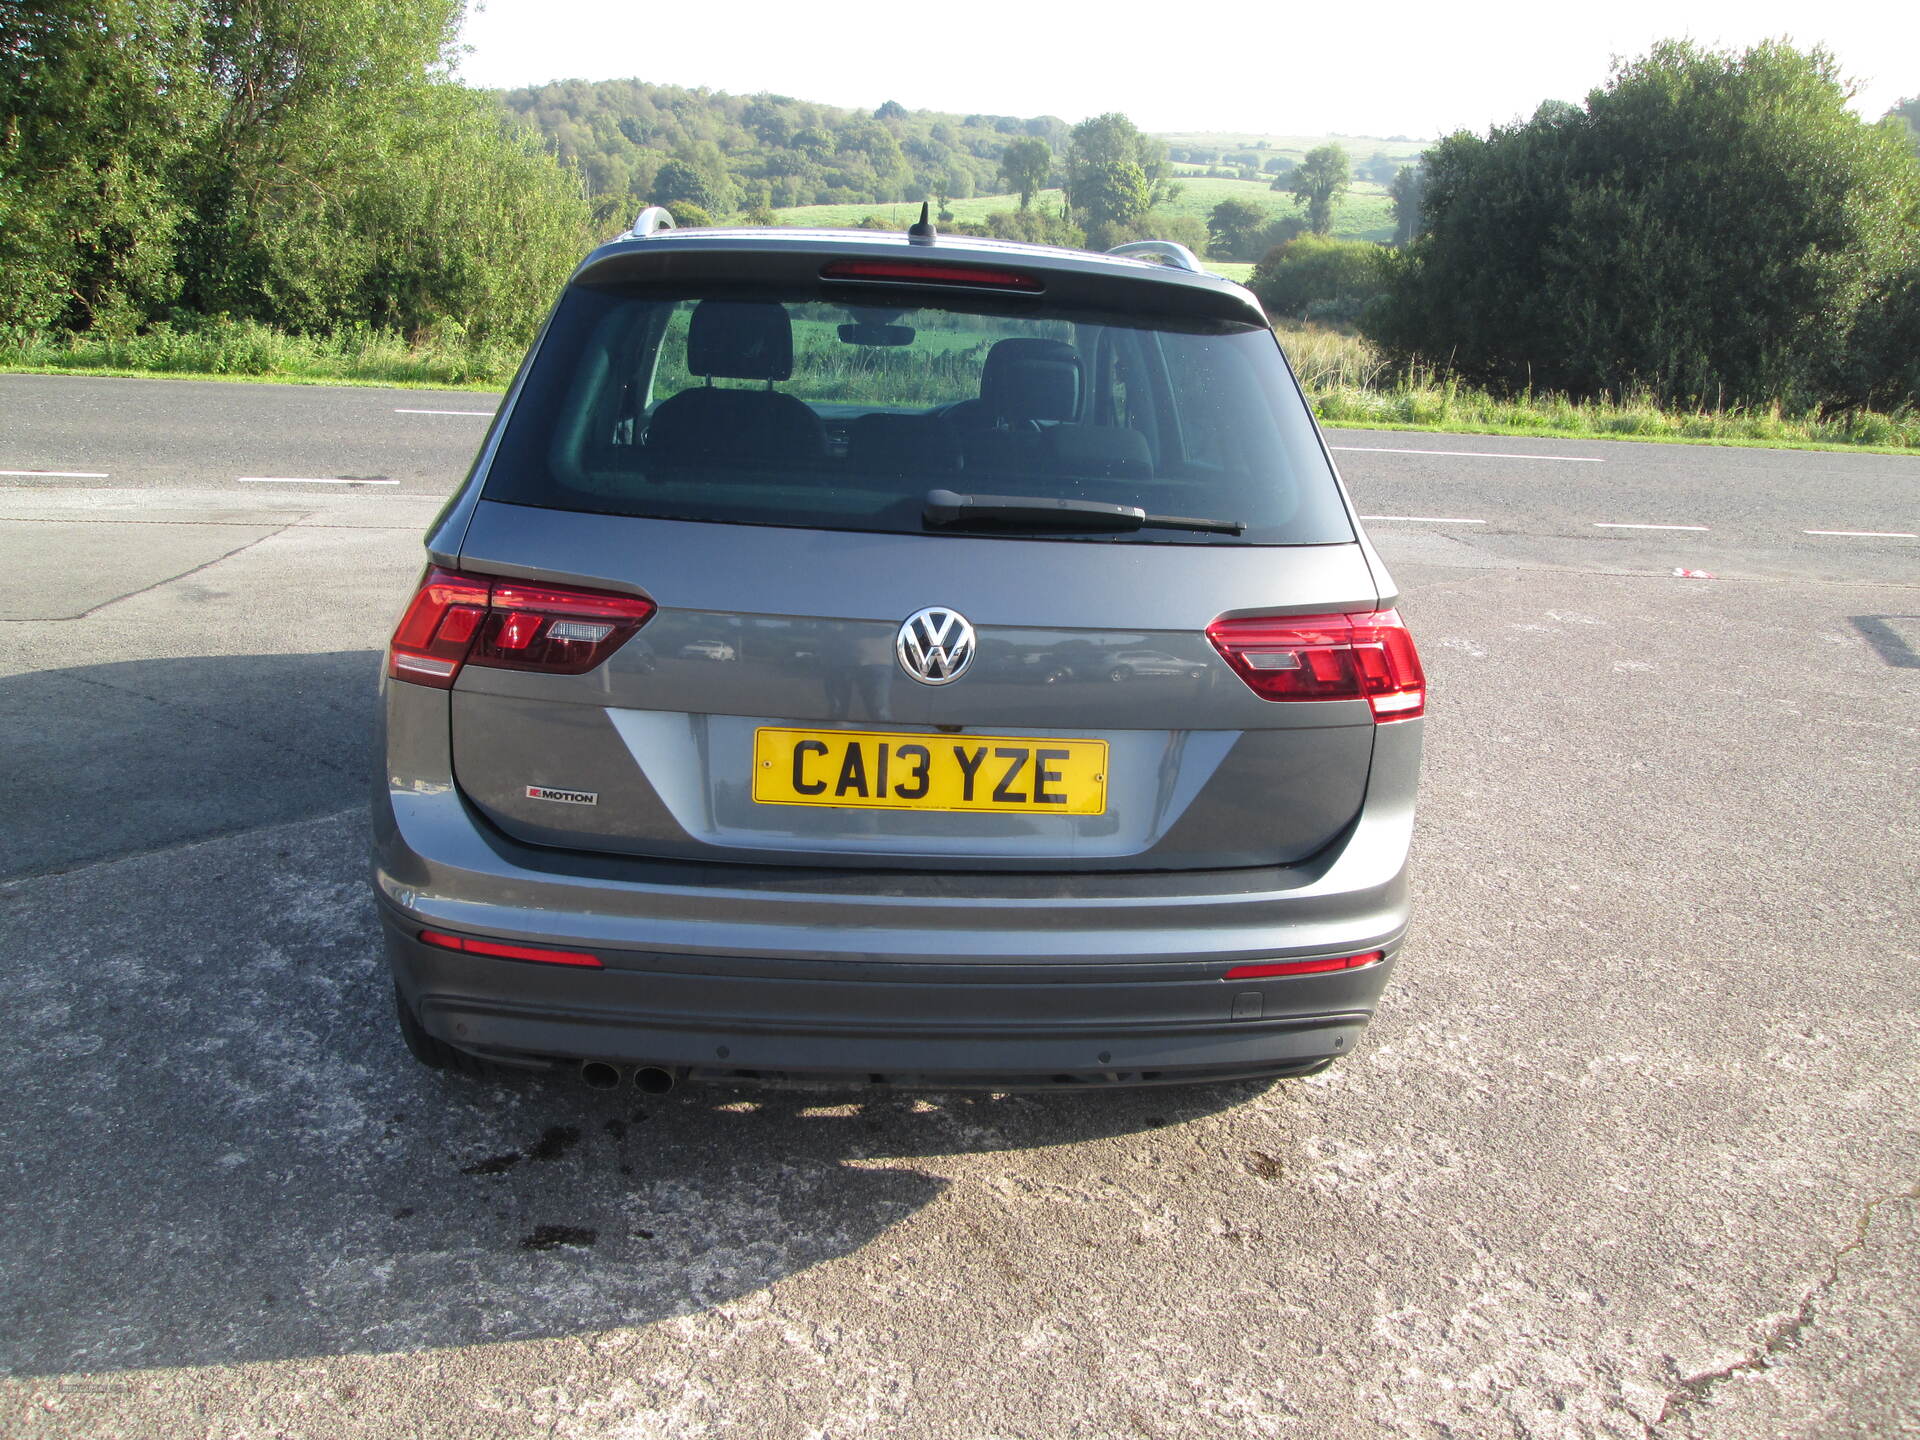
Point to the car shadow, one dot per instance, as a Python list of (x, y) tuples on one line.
[(1888, 642), (219, 1152), (117, 759)]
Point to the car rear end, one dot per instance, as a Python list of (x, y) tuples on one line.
[(943, 666)]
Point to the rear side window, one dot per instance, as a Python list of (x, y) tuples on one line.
[(809, 410)]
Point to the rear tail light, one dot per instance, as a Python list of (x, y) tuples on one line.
[(1305, 967), (501, 624), (500, 950), (920, 272), (1328, 657)]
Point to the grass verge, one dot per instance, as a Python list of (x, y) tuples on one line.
[(1346, 381), (1351, 387), (444, 359)]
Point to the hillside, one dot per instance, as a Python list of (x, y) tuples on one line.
[(792, 161), (635, 142)]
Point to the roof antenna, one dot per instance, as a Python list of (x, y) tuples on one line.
[(923, 232)]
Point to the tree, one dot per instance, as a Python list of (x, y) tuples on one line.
[(1319, 182), (1905, 119), (1115, 175), (1232, 227), (872, 147), (1114, 196), (890, 110), (308, 102), (1709, 226), (1380, 168), (1024, 168), (1287, 227), (815, 140), (1883, 364), (471, 226), (1408, 186), (772, 126), (88, 137), (306, 163), (680, 182), (1187, 230), (1035, 226), (1314, 277)]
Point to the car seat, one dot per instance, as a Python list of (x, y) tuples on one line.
[(737, 340), (1024, 381)]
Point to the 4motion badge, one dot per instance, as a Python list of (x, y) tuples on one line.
[(565, 797)]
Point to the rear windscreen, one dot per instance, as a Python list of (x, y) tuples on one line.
[(834, 413)]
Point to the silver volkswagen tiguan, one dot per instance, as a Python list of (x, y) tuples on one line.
[(905, 660)]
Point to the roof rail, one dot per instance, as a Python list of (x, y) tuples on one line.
[(651, 221), (1177, 256)]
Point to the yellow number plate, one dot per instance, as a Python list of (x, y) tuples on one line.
[(860, 770)]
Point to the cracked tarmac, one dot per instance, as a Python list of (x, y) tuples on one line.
[(1789, 1334), (1630, 1151)]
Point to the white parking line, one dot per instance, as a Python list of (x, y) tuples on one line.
[(1868, 534), (484, 414), (1425, 519), (1469, 454), (308, 480), (58, 474), (1621, 525)]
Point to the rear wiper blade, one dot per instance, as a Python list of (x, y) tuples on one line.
[(1034, 512)]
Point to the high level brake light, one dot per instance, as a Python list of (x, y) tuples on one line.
[(921, 272), (457, 619), (1328, 657)]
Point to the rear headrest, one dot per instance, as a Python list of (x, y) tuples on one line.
[(740, 340), (1031, 380)]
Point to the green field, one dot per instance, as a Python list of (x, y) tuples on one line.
[(1365, 214), (1294, 147)]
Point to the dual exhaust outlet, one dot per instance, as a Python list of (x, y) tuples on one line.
[(648, 1079)]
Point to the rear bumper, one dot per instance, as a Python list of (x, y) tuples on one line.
[(884, 1023), (992, 979)]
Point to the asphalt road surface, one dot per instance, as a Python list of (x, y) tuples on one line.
[(1633, 1148)]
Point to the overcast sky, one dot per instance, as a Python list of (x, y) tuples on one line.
[(1360, 69)]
